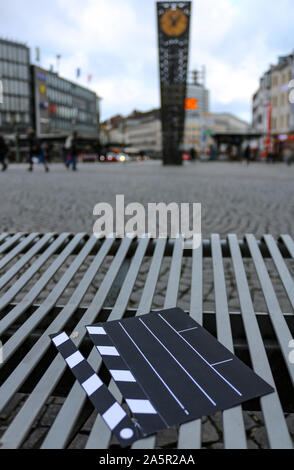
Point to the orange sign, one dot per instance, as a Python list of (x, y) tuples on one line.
[(191, 104)]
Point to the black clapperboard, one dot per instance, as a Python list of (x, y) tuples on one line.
[(168, 368)]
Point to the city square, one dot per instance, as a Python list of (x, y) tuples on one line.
[(235, 198)]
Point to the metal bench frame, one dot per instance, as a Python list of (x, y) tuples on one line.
[(260, 337)]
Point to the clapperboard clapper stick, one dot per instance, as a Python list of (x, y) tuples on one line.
[(169, 370), (112, 413)]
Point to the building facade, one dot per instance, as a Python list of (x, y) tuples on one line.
[(143, 131), (61, 106), (281, 76), (16, 114), (196, 119), (261, 103), (272, 112)]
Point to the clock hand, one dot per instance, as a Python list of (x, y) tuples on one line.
[(176, 19)]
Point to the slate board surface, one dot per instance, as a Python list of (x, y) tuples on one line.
[(170, 370)]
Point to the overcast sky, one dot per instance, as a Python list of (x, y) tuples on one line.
[(116, 42)]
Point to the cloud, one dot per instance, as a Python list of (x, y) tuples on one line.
[(116, 42)]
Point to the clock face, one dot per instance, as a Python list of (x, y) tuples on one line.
[(174, 22)]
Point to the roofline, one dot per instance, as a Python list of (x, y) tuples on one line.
[(65, 79), (231, 115), (15, 43)]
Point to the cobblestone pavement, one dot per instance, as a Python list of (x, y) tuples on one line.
[(235, 199)]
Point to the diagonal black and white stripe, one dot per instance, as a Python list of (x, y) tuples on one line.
[(112, 413), (147, 417)]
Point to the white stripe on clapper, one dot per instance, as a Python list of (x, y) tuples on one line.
[(182, 367)]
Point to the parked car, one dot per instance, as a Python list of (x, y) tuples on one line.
[(111, 157), (123, 157), (88, 157)]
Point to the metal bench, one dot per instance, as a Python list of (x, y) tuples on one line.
[(36, 271)]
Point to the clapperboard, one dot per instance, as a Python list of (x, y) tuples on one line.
[(168, 368)]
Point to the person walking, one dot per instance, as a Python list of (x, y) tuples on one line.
[(247, 154), (66, 151), (35, 150), (3, 153), (74, 151), (43, 158), (193, 154), (288, 155)]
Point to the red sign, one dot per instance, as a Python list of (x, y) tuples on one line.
[(191, 104), (52, 109)]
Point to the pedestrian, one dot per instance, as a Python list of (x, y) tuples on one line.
[(43, 157), (288, 154), (74, 151), (3, 153), (247, 154), (193, 154), (66, 151), (35, 151), (211, 153)]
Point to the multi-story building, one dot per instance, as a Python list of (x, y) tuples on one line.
[(261, 103), (196, 119), (227, 122), (15, 107), (34, 97), (61, 106), (140, 130), (143, 131), (272, 112), (281, 76)]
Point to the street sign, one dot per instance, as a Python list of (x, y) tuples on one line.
[(191, 104)]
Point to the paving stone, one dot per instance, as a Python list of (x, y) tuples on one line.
[(217, 420), (257, 416), (59, 400), (260, 436), (251, 444), (248, 421), (11, 408), (218, 445), (35, 439), (167, 437), (290, 423), (209, 433), (79, 442), (90, 422), (49, 417)]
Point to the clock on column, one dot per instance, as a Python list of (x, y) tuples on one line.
[(174, 22)]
